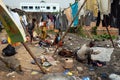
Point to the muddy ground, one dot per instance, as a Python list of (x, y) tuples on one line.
[(72, 42)]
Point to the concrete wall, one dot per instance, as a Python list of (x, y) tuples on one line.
[(40, 7), (16, 3)]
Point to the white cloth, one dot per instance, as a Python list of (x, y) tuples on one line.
[(40, 24), (24, 19), (104, 55), (18, 23), (104, 6), (80, 3)]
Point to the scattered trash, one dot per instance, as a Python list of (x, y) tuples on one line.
[(56, 76), (80, 69), (107, 45), (4, 41), (38, 59), (71, 44), (67, 72), (13, 76), (34, 73), (99, 78), (55, 68), (43, 59), (70, 38), (46, 64), (9, 50), (98, 63), (51, 60), (76, 78), (103, 75), (65, 53), (91, 68), (85, 78), (10, 74)]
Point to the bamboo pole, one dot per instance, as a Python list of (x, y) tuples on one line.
[(70, 25), (34, 58)]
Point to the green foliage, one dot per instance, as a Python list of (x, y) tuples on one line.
[(103, 37), (80, 31), (94, 30)]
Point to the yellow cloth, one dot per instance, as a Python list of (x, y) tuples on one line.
[(92, 5), (44, 33), (9, 40)]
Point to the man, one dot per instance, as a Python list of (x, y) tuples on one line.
[(84, 54), (30, 29)]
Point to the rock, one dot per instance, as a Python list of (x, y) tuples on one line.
[(114, 77), (80, 69), (57, 76)]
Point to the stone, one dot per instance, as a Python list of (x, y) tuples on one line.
[(80, 69), (114, 77)]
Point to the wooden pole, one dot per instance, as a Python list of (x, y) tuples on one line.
[(70, 25), (109, 33), (110, 36), (34, 58)]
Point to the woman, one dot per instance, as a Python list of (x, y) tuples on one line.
[(44, 31)]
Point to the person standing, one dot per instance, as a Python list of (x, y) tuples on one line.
[(43, 31), (30, 28)]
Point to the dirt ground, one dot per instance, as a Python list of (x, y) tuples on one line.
[(72, 42)]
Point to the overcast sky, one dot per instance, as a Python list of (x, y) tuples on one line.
[(15, 3)]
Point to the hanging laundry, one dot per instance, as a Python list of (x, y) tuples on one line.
[(74, 8), (88, 18), (65, 22), (57, 22), (106, 21), (82, 12), (113, 21), (98, 19), (44, 17), (115, 13), (68, 12), (92, 5), (104, 6), (24, 19)]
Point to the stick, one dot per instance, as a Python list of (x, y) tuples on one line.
[(34, 58), (70, 25), (109, 33)]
